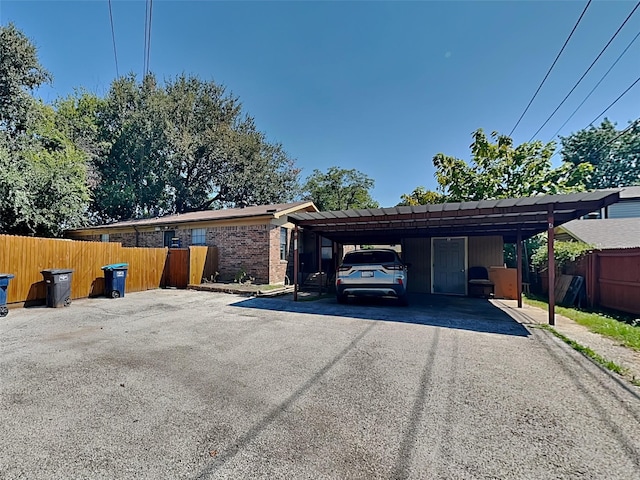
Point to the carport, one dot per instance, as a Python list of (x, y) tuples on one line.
[(513, 219)]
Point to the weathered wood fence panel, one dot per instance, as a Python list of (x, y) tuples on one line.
[(615, 279), (26, 257), (176, 270), (203, 264)]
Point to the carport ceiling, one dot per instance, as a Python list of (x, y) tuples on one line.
[(504, 217)]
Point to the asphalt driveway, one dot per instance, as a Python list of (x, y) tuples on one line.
[(184, 384)]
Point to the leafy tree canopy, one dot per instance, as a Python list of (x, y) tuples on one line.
[(340, 189), (498, 169), (20, 73), (615, 156), (43, 188), (181, 146), (421, 196)]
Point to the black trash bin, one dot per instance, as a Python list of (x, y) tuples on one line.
[(114, 279), (58, 282), (4, 284)]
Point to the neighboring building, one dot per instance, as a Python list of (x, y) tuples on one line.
[(603, 234), (256, 240), (628, 206)]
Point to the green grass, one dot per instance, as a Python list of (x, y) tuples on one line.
[(614, 367), (625, 333)]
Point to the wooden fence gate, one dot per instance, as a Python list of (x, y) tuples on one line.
[(177, 268)]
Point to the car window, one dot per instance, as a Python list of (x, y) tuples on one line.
[(357, 258)]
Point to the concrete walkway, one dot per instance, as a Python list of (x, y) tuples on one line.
[(605, 347)]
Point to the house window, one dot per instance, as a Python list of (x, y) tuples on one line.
[(284, 235), (104, 237), (198, 236)]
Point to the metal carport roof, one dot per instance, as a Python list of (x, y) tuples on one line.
[(505, 217)]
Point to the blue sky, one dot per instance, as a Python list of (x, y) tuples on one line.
[(377, 86)]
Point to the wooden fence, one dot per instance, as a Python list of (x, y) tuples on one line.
[(26, 257), (612, 278), (203, 264)]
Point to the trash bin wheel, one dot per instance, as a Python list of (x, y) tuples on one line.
[(4, 311), (115, 294), (67, 301)]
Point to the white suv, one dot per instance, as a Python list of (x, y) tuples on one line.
[(375, 273)]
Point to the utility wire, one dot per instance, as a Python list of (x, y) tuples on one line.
[(146, 28), (594, 88), (631, 126), (615, 101), (587, 71), (147, 36), (113, 38), (551, 68)]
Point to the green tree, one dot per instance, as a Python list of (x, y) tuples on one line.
[(340, 189), (20, 73), (615, 157), (43, 186), (43, 189), (500, 170), (181, 146), (421, 196)]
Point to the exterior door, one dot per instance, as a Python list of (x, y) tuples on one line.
[(449, 266), (168, 236)]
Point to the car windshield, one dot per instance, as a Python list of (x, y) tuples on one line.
[(358, 258)]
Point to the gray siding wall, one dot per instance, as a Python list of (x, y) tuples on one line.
[(417, 252), (485, 251), (628, 209), (482, 251)]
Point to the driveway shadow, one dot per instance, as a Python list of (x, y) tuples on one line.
[(462, 313)]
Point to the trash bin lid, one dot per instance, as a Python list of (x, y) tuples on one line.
[(6, 275), (116, 266), (57, 271)]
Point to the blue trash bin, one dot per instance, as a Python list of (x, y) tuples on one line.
[(4, 284), (114, 279)]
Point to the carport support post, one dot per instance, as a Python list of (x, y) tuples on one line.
[(295, 263), (319, 243), (519, 266), (551, 267)]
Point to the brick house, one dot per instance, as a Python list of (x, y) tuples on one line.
[(256, 240)]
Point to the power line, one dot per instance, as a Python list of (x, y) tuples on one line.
[(113, 38), (148, 14), (146, 28), (596, 86), (586, 71), (615, 101), (631, 126), (551, 68)]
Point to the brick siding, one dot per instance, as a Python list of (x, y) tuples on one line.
[(252, 248)]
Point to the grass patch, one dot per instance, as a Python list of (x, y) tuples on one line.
[(625, 333), (608, 364)]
